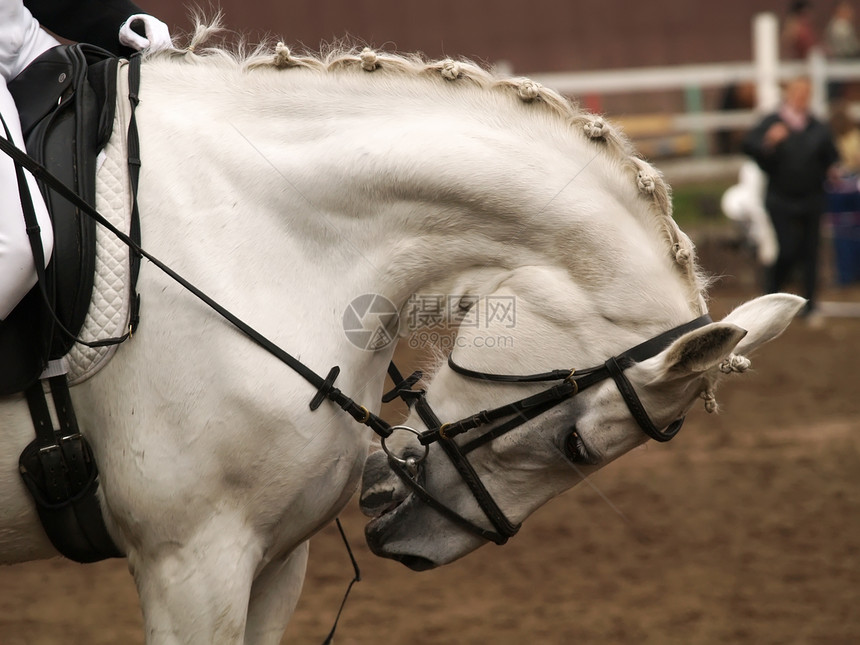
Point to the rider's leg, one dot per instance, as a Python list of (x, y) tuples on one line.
[(17, 271), (21, 40)]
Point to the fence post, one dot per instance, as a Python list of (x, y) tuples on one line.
[(695, 105), (766, 59), (818, 78)]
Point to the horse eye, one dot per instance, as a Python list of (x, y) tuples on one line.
[(576, 450)]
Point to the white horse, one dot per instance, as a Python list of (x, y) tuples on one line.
[(288, 186)]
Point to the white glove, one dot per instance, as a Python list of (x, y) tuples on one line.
[(157, 33)]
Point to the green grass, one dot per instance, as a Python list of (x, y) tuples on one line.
[(699, 203)]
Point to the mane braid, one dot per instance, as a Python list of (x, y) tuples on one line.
[(650, 181)]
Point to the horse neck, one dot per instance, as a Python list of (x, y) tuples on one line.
[(349, 184)]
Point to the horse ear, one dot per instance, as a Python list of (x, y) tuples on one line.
[(700, 350), (764, 318)]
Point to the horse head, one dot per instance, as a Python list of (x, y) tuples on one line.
[(430, 514)]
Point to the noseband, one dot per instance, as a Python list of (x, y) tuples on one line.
[(570, 383)]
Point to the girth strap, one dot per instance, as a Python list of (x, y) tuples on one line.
[(133, 143), (60, 472)]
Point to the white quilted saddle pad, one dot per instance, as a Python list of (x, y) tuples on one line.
[(109, 310)]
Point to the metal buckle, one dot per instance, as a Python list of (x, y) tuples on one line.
[(569, 379), (443, 430), (366, 415)]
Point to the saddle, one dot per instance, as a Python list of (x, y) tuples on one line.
[(66, 101)]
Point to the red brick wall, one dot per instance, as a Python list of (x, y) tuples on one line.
[(533, 35)]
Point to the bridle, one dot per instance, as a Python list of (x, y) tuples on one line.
[(570, 383)]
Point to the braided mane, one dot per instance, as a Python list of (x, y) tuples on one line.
[(650, 182)]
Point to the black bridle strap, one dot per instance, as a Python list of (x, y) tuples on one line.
[(504, 527), (628, 393), (522, 407), (402, 386), (425, 496), (573, 383), (637, 354), (653, 346), (554, 375), (522, 411), (503, 428)]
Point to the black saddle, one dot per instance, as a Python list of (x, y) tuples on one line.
[(66, 101)]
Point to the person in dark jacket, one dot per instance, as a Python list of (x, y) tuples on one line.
[(110, 24), (98, 22), (797, 153)]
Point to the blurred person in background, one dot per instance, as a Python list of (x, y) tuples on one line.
[(799, 35), (840, 37), (846, 135), (797, 153)]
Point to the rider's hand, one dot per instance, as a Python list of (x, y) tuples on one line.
[(157, 33)]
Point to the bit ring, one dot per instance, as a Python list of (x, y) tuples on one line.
[(408, 461)]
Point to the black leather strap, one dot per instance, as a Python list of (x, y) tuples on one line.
[(402, 386), (628, 393), (133, 142), (554, 375), (504, 528), (574, 381), (59, 470), (521, 411), (425, 496)]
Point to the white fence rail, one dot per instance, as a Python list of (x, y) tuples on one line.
[(766, 71)]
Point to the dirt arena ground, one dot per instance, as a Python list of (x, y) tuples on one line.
[(745, 530)]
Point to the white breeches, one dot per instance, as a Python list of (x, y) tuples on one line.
[(21, 41)]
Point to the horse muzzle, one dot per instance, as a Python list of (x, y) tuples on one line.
[(382, 495)]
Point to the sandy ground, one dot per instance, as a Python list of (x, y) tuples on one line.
[(744, 530)]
